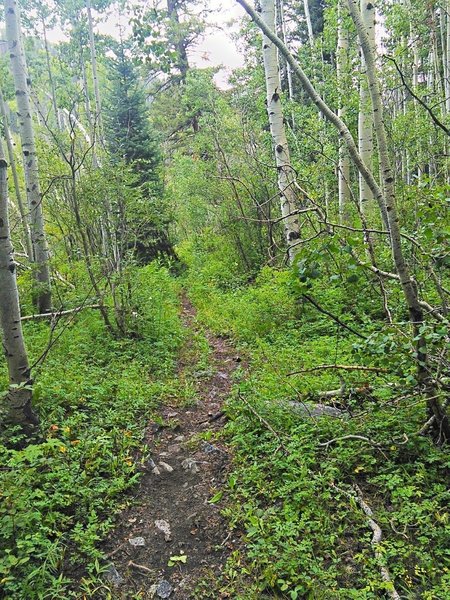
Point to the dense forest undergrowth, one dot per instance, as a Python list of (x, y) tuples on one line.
[(250, 279), (290, 495)]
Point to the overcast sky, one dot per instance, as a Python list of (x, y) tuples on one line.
[(215, 48)]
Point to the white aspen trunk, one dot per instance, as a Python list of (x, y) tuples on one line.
[(288, 66), (50, 76), (365, 117), (12, 162), (408, 286), (98, 106), (286, 176), (39, 242), (308, 21), (385, 197), (16, 407), (342, 78), (447, 58)]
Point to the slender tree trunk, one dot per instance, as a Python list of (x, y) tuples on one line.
[(286, 176), (408, 286), (308, 21), (98, 105), (446, 54), (16, 407), (50, 75), (283, 35), (343, 81), (18, 66), (365, 119), (385, 196), (180, 44), (12, 161)]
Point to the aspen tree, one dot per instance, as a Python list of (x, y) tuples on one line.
[(286, 174), (384, 195), (308, 21), (365, 119), (42, 296), (12, 162), (342, 78), (17, 404), (93, 51)]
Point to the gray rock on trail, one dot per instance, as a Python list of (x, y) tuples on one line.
[(137, 541), (165, 466), (113, 576), (163, 589), (209, 448), (189, 464), (308, 409), (153, 466), (164, 526)]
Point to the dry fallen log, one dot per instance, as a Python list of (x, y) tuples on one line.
[(57, 314)]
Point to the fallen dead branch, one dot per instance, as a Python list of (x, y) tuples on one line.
[(140, 567), (339, 367), (376, 538), (264, 422), (57, 314)]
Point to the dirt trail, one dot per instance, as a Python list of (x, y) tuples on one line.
[(171, 515)]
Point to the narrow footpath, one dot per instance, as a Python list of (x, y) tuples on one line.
[(172, 541)]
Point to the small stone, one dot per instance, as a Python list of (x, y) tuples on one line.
[(172, 414), (174, 449), (113, 576), (209, 448), (164, 589), (137, 541), (166, 467), (179, 438), (190, 465), (156, 471), (164, 526)]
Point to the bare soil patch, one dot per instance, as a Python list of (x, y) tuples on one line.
[(171, 516)]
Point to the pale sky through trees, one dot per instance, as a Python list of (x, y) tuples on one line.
[(215, 48)]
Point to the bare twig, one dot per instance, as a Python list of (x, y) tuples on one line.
[(339, 367), (58, 313), (263, 421), (376, 538)]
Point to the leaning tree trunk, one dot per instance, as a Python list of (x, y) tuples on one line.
[(12, 161), (385, 197), (343, 81), (365, 120), (42, 294), (409, 287), (16, 407), (286, 175)]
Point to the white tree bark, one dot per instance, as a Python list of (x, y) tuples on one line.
[(286, 175), (288, 67), (342, 78), (365, 119), (385, 197), (16, 407), (446, 52), (12, 161), (308, 21), (19, 71), (98, 105)]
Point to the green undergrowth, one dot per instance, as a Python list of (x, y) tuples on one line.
[(94, 394), (292, 495)]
